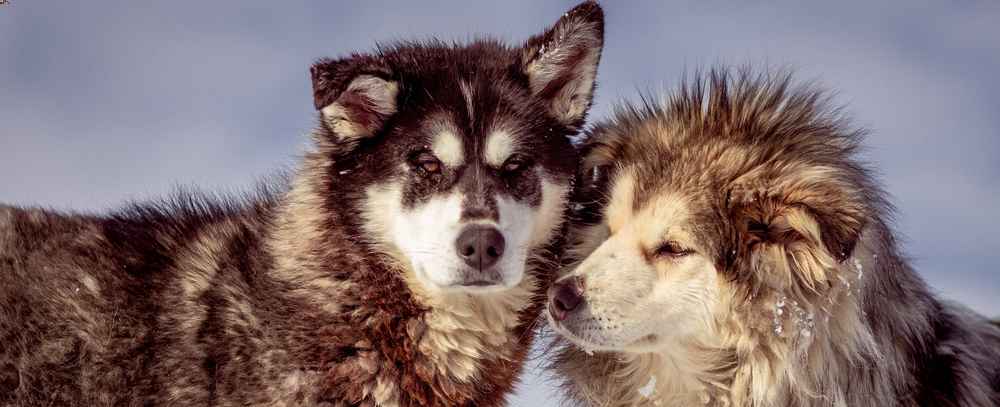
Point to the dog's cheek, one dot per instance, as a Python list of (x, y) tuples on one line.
[(553, 197)]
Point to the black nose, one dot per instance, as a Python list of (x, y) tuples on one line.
[(566, 295), (480, 246)]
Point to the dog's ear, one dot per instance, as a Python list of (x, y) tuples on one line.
[(561, 63), (354, 97), (802, 225)]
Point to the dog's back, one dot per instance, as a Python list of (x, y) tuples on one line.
[(66, 309), (961, 366), (85, 300)]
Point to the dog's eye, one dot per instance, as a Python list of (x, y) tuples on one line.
[(427, 162), (515, 163), (672, 250)]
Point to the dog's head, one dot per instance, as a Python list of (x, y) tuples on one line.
[(459, 155), (709, 213)]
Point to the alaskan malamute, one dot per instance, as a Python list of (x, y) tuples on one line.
[(402, 264), (734, 251)]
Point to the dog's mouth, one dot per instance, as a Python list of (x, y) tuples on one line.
[(490, 281), (578, 334), (479, 260), (480, 281), (590, 336)]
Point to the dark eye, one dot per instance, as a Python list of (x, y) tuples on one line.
[(515, 163), (671, 250), (427, 162)]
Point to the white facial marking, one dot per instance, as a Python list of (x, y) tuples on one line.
[(499, 146), (525, 227), (427, 233), (424, 236), (448, 148), (550, 211)]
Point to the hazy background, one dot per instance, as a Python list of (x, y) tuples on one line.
[(106, 100)]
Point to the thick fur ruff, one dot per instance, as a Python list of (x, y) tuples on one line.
[(304, 294), (816, 305)]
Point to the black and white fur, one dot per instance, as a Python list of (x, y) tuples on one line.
[(402, 264)]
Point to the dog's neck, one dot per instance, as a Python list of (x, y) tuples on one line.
[(667, 378), (455, 336)]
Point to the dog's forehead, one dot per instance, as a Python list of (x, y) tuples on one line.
[(490, 144), (621, 205), (648, 214), (665, 215)]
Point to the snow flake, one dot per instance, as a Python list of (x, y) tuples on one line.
[(779, 312), (859, 268), (650, 387)]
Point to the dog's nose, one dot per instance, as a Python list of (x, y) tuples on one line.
[(566, 296), (480, 246)]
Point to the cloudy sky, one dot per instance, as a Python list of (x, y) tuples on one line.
[(106, 100)]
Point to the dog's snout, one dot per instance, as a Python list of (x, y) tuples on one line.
[(566, 296), (480, 246)]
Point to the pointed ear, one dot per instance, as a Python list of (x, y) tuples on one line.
[(354, 99), (561, 64)]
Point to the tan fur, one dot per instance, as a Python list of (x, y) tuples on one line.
[(545, 66), (448, 148), (377, 95), (499, 146), (298, 221), (792, 292)]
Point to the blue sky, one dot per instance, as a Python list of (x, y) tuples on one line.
[(104, 100)]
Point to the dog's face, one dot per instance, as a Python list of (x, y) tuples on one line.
[(700, 221), (649, 279), (465, 208), (461, 154)]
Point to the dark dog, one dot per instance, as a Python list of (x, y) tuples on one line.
[(403, 264)]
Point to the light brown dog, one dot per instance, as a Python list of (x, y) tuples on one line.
[(734, 251)]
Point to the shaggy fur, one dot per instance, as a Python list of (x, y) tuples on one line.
[(779, 282), (301, 294)]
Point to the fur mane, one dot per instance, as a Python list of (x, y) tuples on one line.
[(825, 313)]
